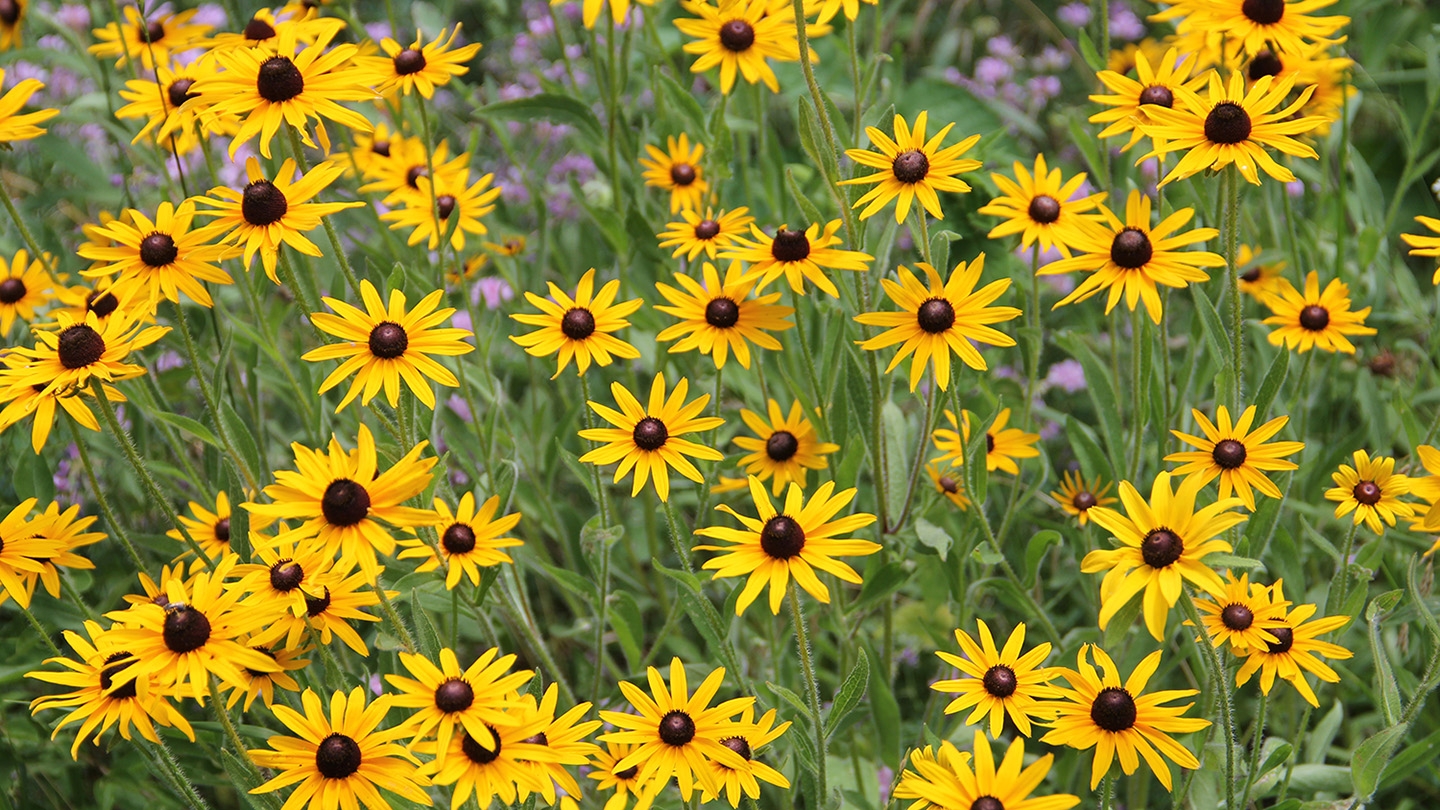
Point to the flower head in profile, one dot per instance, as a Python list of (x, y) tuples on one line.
[(798, 256), (996, 682), (151, 41), (564, 737), (1371, 490), (1117, 717), (676, 169), (470, 539), (1163, 543), (1003, 445), (947, 482), (646, 438), (720, 317), (939, 317), (1238, 453), (740, 36), (17, 126), (1077, 496), (911, 168), (1242, 614), (944, 779), (694, 234), (263, 684), (784, 447), (57, 534), (1424, 244), (210, 529), (1296, 650), (160, 258), (792, 541), (418, 67), (23, 551), (1311, 319), (25, 288), (581, 327), (1041, 206), (21, 399), (1260, 279)]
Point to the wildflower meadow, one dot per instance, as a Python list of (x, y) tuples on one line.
[(815, 404)]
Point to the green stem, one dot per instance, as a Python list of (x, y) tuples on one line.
[(1339, 602), (35, 252), (406, 640), (223, 715), (1257, 741), (927, 424), (212, 404), (1107, 791), (176, 776), (298, 150), (41, 631), (812, 694), (99, 493), (922, 226), (798, 301), (1232, 281), (676, 541), (602, 500), (1032, 364), (1300, 727), (827, 127), (1137, 336), (1223, 689), (1009, 571)]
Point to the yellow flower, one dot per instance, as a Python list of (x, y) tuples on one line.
[(150, 41), (948, 485), (161, 101), (1130, 99), (1235, 454), (1242, 614), (833, 7), (446, 698), (999, 682), (1077, 496), (1263, 281), (1372, 490), (209, 529), (1002, 445), (1294, 651), (13, 125), (647, 438), (619, 10), (720, 317), (740, 35), (797, 255), (746, 737), (694, 233), (783, 448), (76, 352), (624, 781), (1288, 25), (420, 67), (1039, 207), (159, 258), (12, 20), (946, 781), (676, 169), (456, 209), (911, 168), (1313, 319), (1422, 245), (25, 287), (579, 328), (469, 540)]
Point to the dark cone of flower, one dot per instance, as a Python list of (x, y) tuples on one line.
[(1161, 547), (989, 442), (101, 303), (114, 664), (1383, 364), (707, 229), (179, 92), (682, 174), (1252, 275), (1000, 681), (381, 148), (315, 605), (676, 728), (781, 446), (935, 316), (578, 324), (152, 33), (388, 340), (478, 753), (455, 695), (1314, 318), (158, 250), (949, 484), (910, 167), (650, 434), (279, 80), (1284, 640), (9, 12), (722, 313), (263, 204), (782, 537), (345, 502), (222, 530), (1044, 209), (737, 35), (1158, 95), (409, 61), (186, 629), (413, 175), (11, 290), (79, 346), (1237, 617), (445, 205), (987, 803), (628, 774), (1264, 12), (1227, 123), (790, 246), (1131, 249), (286, 576), (1264, 64), (258, 30), (458, 539), (536, 739), (1113, 709), (1368, 493), (739, 745), (1084, 500), (337, 757), (1229, 454)]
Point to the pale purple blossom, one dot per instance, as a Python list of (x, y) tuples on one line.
[(1075, 15), (1067, 375), (1125, 24), (992, 70), (493, 290), (74, 16), (1002, 47)]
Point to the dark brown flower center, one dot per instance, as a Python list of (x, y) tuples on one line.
[(279, 80), (650, 434), (628, 774), (1263, 12), (989, 442), (1131, 249), (316, 605), (458, 539), (950, 485), (1000, 681), (578, 324), (1237, 617), (413, 175), (479, 754), (1113, 709), (707, 229), (79, 346), (454, 695), (102, 303), (345, 502), (1284, 640), (158, 250), (337, 757), (286, 576), (782, 537), (1314, 318), (9, 12), (186, 629), (737, 35), (381, 148), (255, 673), (910, 167), (11, 290), (1158, 94), (790, 246), (409, 61), (388, 340), (935, 316), (782, 445), (222, 530), (676, 728), (722, 313), (1252, 275), (179, 92), (1368, 493), (263, 204), (1084, 500), (683, 174), (152, 32), (536, 739), (1265, 64), (987, 803), (445, 205), (1227, 123), (257, 30), (1044, 209), (1161, 548), (739, 745), (1383, 364), (1229, 454), (114, 664)]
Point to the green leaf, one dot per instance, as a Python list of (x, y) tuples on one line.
[(558, 108), (186, 424), (1215, 335), (688, 580), (1093, 462), (932, 536), (33, 478), (243, 775), (795, 701), (1274, 378), (244, 440), (977, 477), (850, 692), (1386, 689), (1275, 758), (427, 636), (812, 214), (1035, 553), (886, 712), (812, 140), (629, 626), (1088, 53), (896, 439), (1370, 758), (683, 100), (986, 556), (940, 248), (1412, 584), (1233, 561), (569, 580), (1101, 387), (1122, 621), (1317, 745), (880, 584)]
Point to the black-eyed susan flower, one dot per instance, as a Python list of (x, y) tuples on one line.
[(740, 36), (945, 780), (21, 552), (269, 89), (999, 682), (264, 27), (454, 211), (509, 247), (17, 126), (151, 41), (911, 168), (1163, 544), (69, 357), (1077, 496), (342, 496), (194, 635), (98, 701), (784, 446), (624, 782), (1156, 84), (1425, 245), (1371, 490), (153, 588), (447, 698), (947, 482), (719, 317), (1289, 25), (1040, 206), (160, 258), (419, 67), (694, 234), (1259, 279), (160, 102), (579, 328), (1118, 719), (25, 288), (1130, 258), (563, 737), (469, 540), (1424, 487), (60, 533), (676, 732), (832, 7), (1296, 651), (798, 255), (210, 529), (646, 439), (676, 169), (339, 759), (1242, 614), (590, 10), (382, 345), (268, 213), (788, 542), (285, 574), (333, 598), (407, 160), (1229, 126), (1315, 319), (1003, 445), (12, 20), (263, 684), (1236, 454), (746, 736), (940, 317), (488, 772)]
